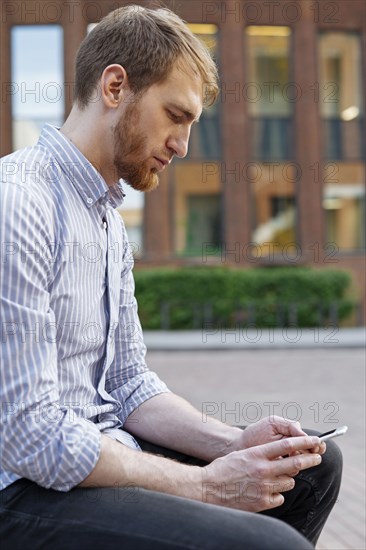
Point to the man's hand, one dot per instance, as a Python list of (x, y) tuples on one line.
[(254, 478), (273, 428)]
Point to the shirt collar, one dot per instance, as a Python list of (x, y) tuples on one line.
[(89, 183)]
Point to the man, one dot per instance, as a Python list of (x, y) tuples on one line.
[(79, 403)]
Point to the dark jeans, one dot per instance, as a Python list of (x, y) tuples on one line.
[(133, 518)]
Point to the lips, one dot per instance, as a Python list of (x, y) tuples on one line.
[(161, 162)]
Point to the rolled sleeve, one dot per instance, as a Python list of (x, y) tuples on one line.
[(136, 391), (58, 457)]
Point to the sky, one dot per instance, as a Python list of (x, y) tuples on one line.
[(37, 71)]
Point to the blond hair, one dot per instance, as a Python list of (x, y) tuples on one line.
[(147, 43)]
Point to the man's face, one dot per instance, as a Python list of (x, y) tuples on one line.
[(155, 127)]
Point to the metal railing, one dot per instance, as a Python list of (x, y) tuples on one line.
[(276, 314)]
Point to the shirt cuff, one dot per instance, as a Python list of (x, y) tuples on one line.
[(84, 462), (136, 391)]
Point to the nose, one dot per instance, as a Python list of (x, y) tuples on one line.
[(178, 142)]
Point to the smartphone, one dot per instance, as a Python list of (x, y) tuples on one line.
[(333, 433)]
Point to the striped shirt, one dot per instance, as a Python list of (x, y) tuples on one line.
[(73, 356)]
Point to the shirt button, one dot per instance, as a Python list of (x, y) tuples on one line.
[(89, 200)]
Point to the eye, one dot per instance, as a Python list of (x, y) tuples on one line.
[(175, 118)]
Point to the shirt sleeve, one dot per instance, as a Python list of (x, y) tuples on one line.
[(129, 379), (39, 439)]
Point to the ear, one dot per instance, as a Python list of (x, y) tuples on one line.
[(114, 85)]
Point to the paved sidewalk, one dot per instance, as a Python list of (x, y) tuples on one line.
[(213, 337), (323, 388)]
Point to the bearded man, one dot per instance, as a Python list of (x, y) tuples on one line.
[(96, 451)]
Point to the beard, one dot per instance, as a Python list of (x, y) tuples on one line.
[(129, 149)]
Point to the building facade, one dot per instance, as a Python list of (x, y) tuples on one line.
[(275, 173)]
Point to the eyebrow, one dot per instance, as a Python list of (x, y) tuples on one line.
[(187, 113)]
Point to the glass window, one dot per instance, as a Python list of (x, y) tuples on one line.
[(340, 96), (269, 92), (275, 209), (197, 192), (342, 111), (205, 136), (270, 96), (37, 81), (131, 212), (197, 207), (204, 222), (344, 204)]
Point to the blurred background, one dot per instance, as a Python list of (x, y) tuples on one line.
[(268, 206), (275, 174)]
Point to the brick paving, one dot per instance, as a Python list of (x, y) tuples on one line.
[(323, 388)]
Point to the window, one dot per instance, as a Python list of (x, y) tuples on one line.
[(269, 92), (344, 205), (342, 112), (270, 96), (37, 81), (197, 207), (196, 189), (340, 96), (205, 136), (204, 222), (274, 207)]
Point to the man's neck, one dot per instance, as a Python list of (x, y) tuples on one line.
[(91, 140)]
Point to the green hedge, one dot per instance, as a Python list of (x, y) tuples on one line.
[(188, 298)]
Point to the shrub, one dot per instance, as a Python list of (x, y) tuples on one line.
[(188, 297)]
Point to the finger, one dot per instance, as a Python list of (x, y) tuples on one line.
[(287, 427), (292, 465), (287, 446), (306, 451), (295, 429), (323, 448), (319, 449), (275, 500), (269, 497), (282, 484)]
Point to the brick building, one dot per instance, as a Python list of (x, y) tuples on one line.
[(275, 174)]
